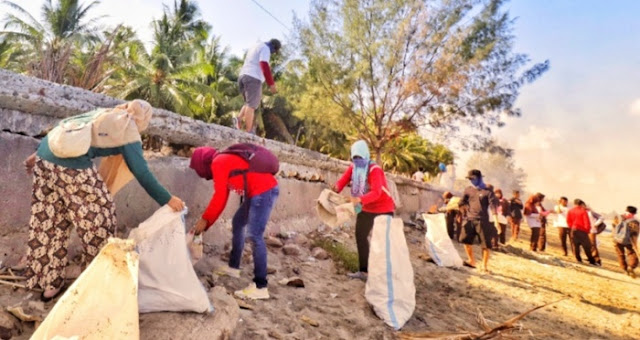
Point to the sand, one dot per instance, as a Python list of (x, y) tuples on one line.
[(601, 303)]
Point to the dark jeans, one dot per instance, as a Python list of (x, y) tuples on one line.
[(594, 248), (535, 239), (630, 261), (253, 214), (364, 224), (581, 239), (563, 233), (452, 226)]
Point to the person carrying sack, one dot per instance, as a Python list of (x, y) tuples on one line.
[(69, 191), (370, 194), (250, 171)]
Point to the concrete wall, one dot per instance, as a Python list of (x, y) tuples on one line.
[(29, 107)]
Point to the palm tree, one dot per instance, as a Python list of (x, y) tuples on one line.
[(171, 77), (411, 152), (50, 44)]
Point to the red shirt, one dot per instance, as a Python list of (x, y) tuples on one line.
[(578, 219), (376, 200), (221, 166)]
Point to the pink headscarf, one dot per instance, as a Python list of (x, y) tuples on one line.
[(201, 161)]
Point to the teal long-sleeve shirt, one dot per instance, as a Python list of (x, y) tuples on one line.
[(132, 154)]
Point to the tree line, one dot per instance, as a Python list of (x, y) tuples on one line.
[(377, 70)]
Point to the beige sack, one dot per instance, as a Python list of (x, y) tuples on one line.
[(102, 303), (326, 206)]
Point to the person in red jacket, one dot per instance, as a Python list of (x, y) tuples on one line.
[(254, 72), (578, 221), (262, 192), (371, 195)]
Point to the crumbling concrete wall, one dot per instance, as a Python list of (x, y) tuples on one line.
[(29, 107)]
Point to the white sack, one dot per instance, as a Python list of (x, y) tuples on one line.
[(167, 280), (390, 289), (438, 243)]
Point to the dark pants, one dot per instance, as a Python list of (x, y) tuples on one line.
[(630, 261), (364, 224), (515, 227), (581, 239), (563, 233), (535, 238), (450, 218), (542, 239), (502, 235), (253, 214), (594, 248), (473, 229)]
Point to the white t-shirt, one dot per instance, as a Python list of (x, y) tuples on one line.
[(533, 220), (418, 176), (594, 222), (256, 54), (561, 216)]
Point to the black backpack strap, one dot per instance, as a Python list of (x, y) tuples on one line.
[(244, 173)]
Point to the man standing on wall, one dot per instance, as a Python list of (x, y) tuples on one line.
[(254, 72)]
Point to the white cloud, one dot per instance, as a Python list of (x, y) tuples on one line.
[(537, 138), (635, 108)]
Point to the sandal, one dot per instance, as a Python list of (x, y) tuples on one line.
[(47, 299), (467, 264)]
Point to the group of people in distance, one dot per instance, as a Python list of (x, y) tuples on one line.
[(484, 213)]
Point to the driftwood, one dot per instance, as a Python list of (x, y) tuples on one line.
[(12, 277), (12, 284), (489, 332)]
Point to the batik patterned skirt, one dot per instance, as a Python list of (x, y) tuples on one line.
[(63, 198)]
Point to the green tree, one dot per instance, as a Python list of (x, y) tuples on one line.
[(409, 153), (171, 76), (380, 68), (65, 28)]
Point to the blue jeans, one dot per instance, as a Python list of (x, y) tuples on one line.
[(253, 213)]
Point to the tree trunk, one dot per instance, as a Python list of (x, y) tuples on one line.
[(379, 156)]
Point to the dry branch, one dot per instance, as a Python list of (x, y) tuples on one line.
[(489, 333)]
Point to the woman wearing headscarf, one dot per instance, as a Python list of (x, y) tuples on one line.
[(370, 194), (260, 191), (71, 191), (535, 214)]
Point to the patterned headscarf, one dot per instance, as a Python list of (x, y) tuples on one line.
[(201, 161), (359, 185)]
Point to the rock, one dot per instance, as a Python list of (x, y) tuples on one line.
[(301, 240), (271, 270), (273, 242), (9, 326), (244, 305), (292, 250), (292, 282), (217, 325), (319, 253), (309, 321), (274, 334)]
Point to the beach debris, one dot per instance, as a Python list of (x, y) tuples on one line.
[(498, 331), (309, 321)]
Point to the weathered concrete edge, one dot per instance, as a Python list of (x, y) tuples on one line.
[(19, 93)]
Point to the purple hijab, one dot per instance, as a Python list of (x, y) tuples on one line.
[(201, 161)]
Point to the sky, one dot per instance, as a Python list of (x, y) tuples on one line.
[(580, 120)]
